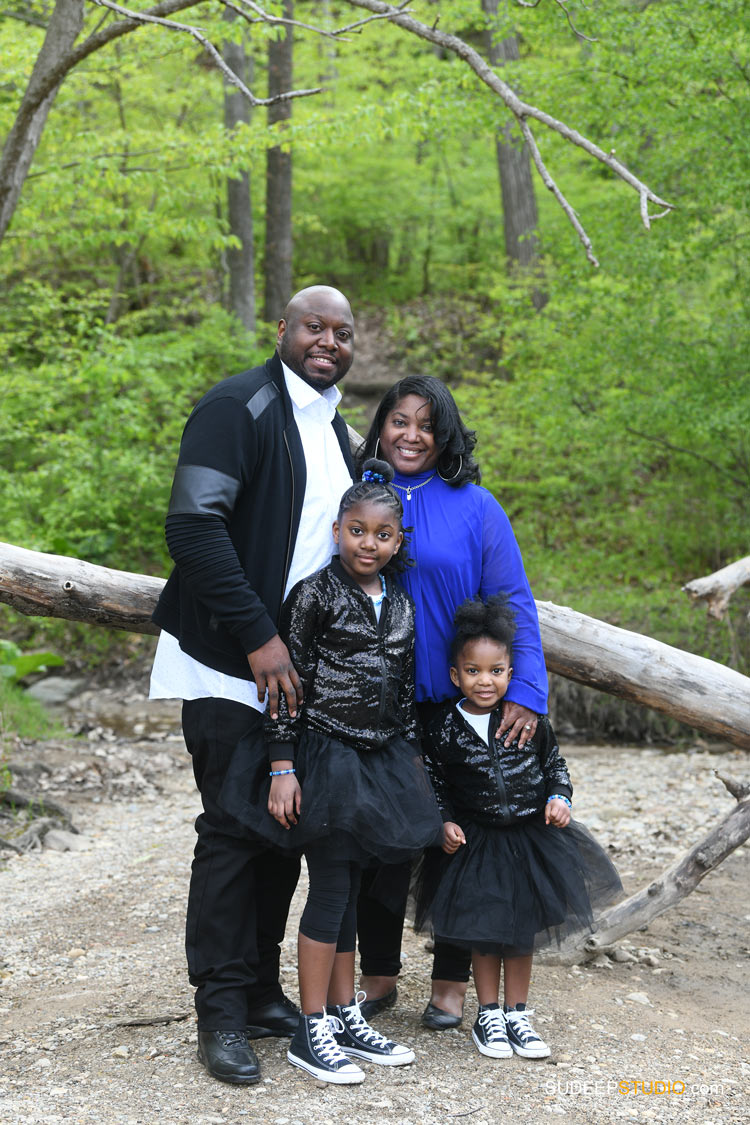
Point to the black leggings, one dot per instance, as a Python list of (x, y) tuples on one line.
[(380, 932), (330, 913)]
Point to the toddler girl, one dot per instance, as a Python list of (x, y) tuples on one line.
[(519, 866)]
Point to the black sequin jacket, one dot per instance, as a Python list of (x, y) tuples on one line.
[(491, 785), (357, 673)]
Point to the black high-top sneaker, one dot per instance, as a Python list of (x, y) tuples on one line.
[(489, 1032), (314, 1049), (357, 1038), (521, 1035)]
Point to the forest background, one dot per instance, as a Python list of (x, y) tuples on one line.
[(612, 403)]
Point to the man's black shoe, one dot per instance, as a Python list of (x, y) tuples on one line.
[(228, 1056), (279, 1019)]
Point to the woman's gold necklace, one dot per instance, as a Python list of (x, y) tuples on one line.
[(409, 488)]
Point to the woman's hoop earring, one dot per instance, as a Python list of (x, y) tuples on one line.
[(377, 447), (457, 472)]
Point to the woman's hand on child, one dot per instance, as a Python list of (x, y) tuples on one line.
[(517, 722), (453, 837), (273, 671), (556, 812), (285, 800)]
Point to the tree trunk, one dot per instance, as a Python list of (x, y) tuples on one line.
[(240, 259), (520, 219), (689, 688), (279, 245), (63, 29)]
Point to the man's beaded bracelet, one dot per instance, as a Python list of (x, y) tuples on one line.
[(559, 797), (280, 773)]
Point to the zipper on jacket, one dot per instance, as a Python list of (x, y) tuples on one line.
[(498, 769), (380, 625)]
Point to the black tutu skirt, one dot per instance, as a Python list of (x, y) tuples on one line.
[(377, 805), (518, 886)]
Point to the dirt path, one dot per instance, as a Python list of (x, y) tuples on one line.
[(92, 940)]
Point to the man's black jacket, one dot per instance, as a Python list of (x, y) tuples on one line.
[(233, 518)]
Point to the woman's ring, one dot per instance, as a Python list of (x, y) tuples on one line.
[(527, 727)]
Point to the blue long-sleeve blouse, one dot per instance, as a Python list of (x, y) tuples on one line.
[(464, 547)]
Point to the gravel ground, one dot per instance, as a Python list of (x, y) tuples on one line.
[(96, 1019)]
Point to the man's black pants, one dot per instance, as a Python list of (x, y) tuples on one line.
[(239, 894)]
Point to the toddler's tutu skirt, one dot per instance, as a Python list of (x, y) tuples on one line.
[(375, 804), (518, 886)]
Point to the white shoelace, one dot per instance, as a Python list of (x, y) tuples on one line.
[(520, 1021), (359, 1025), (322, 1037), (494, 1023)]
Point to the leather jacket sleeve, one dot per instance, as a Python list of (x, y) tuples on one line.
[(215, 464)]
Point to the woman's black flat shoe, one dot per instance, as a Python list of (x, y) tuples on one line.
[(438, 1020), (370, 1008)]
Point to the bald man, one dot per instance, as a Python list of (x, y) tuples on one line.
[(263, 462)]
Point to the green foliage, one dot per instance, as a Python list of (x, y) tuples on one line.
[(91, 421), (613, 424), (15, 664), (21, 716)]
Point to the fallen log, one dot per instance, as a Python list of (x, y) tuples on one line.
[(40, 585), (674, 884), (716, 589), (689, 688)]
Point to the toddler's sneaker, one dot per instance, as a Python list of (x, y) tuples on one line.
[(355, 1037), (521, 1035), (489, 1032), (314, 1049)]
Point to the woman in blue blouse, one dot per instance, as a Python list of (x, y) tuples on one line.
[(463, 547)]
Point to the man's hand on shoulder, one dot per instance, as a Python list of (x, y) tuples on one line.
[(273, 671)]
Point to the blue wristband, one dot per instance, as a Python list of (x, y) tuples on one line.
[(280, 773), (559, 797)]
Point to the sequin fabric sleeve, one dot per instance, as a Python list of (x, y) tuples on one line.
[(554, 766), (299, 625), (407, 701)]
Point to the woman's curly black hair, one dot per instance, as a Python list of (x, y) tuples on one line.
[(456, 464), (374, 488), (474, 619)]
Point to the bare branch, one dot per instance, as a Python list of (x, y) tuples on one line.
[(717, 589), (273, 21), (656, 440), (550, 183), (336, 33), (572, 26), (30, 18), (195, 33), (561, 4), (519, 108), (738, 789)]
